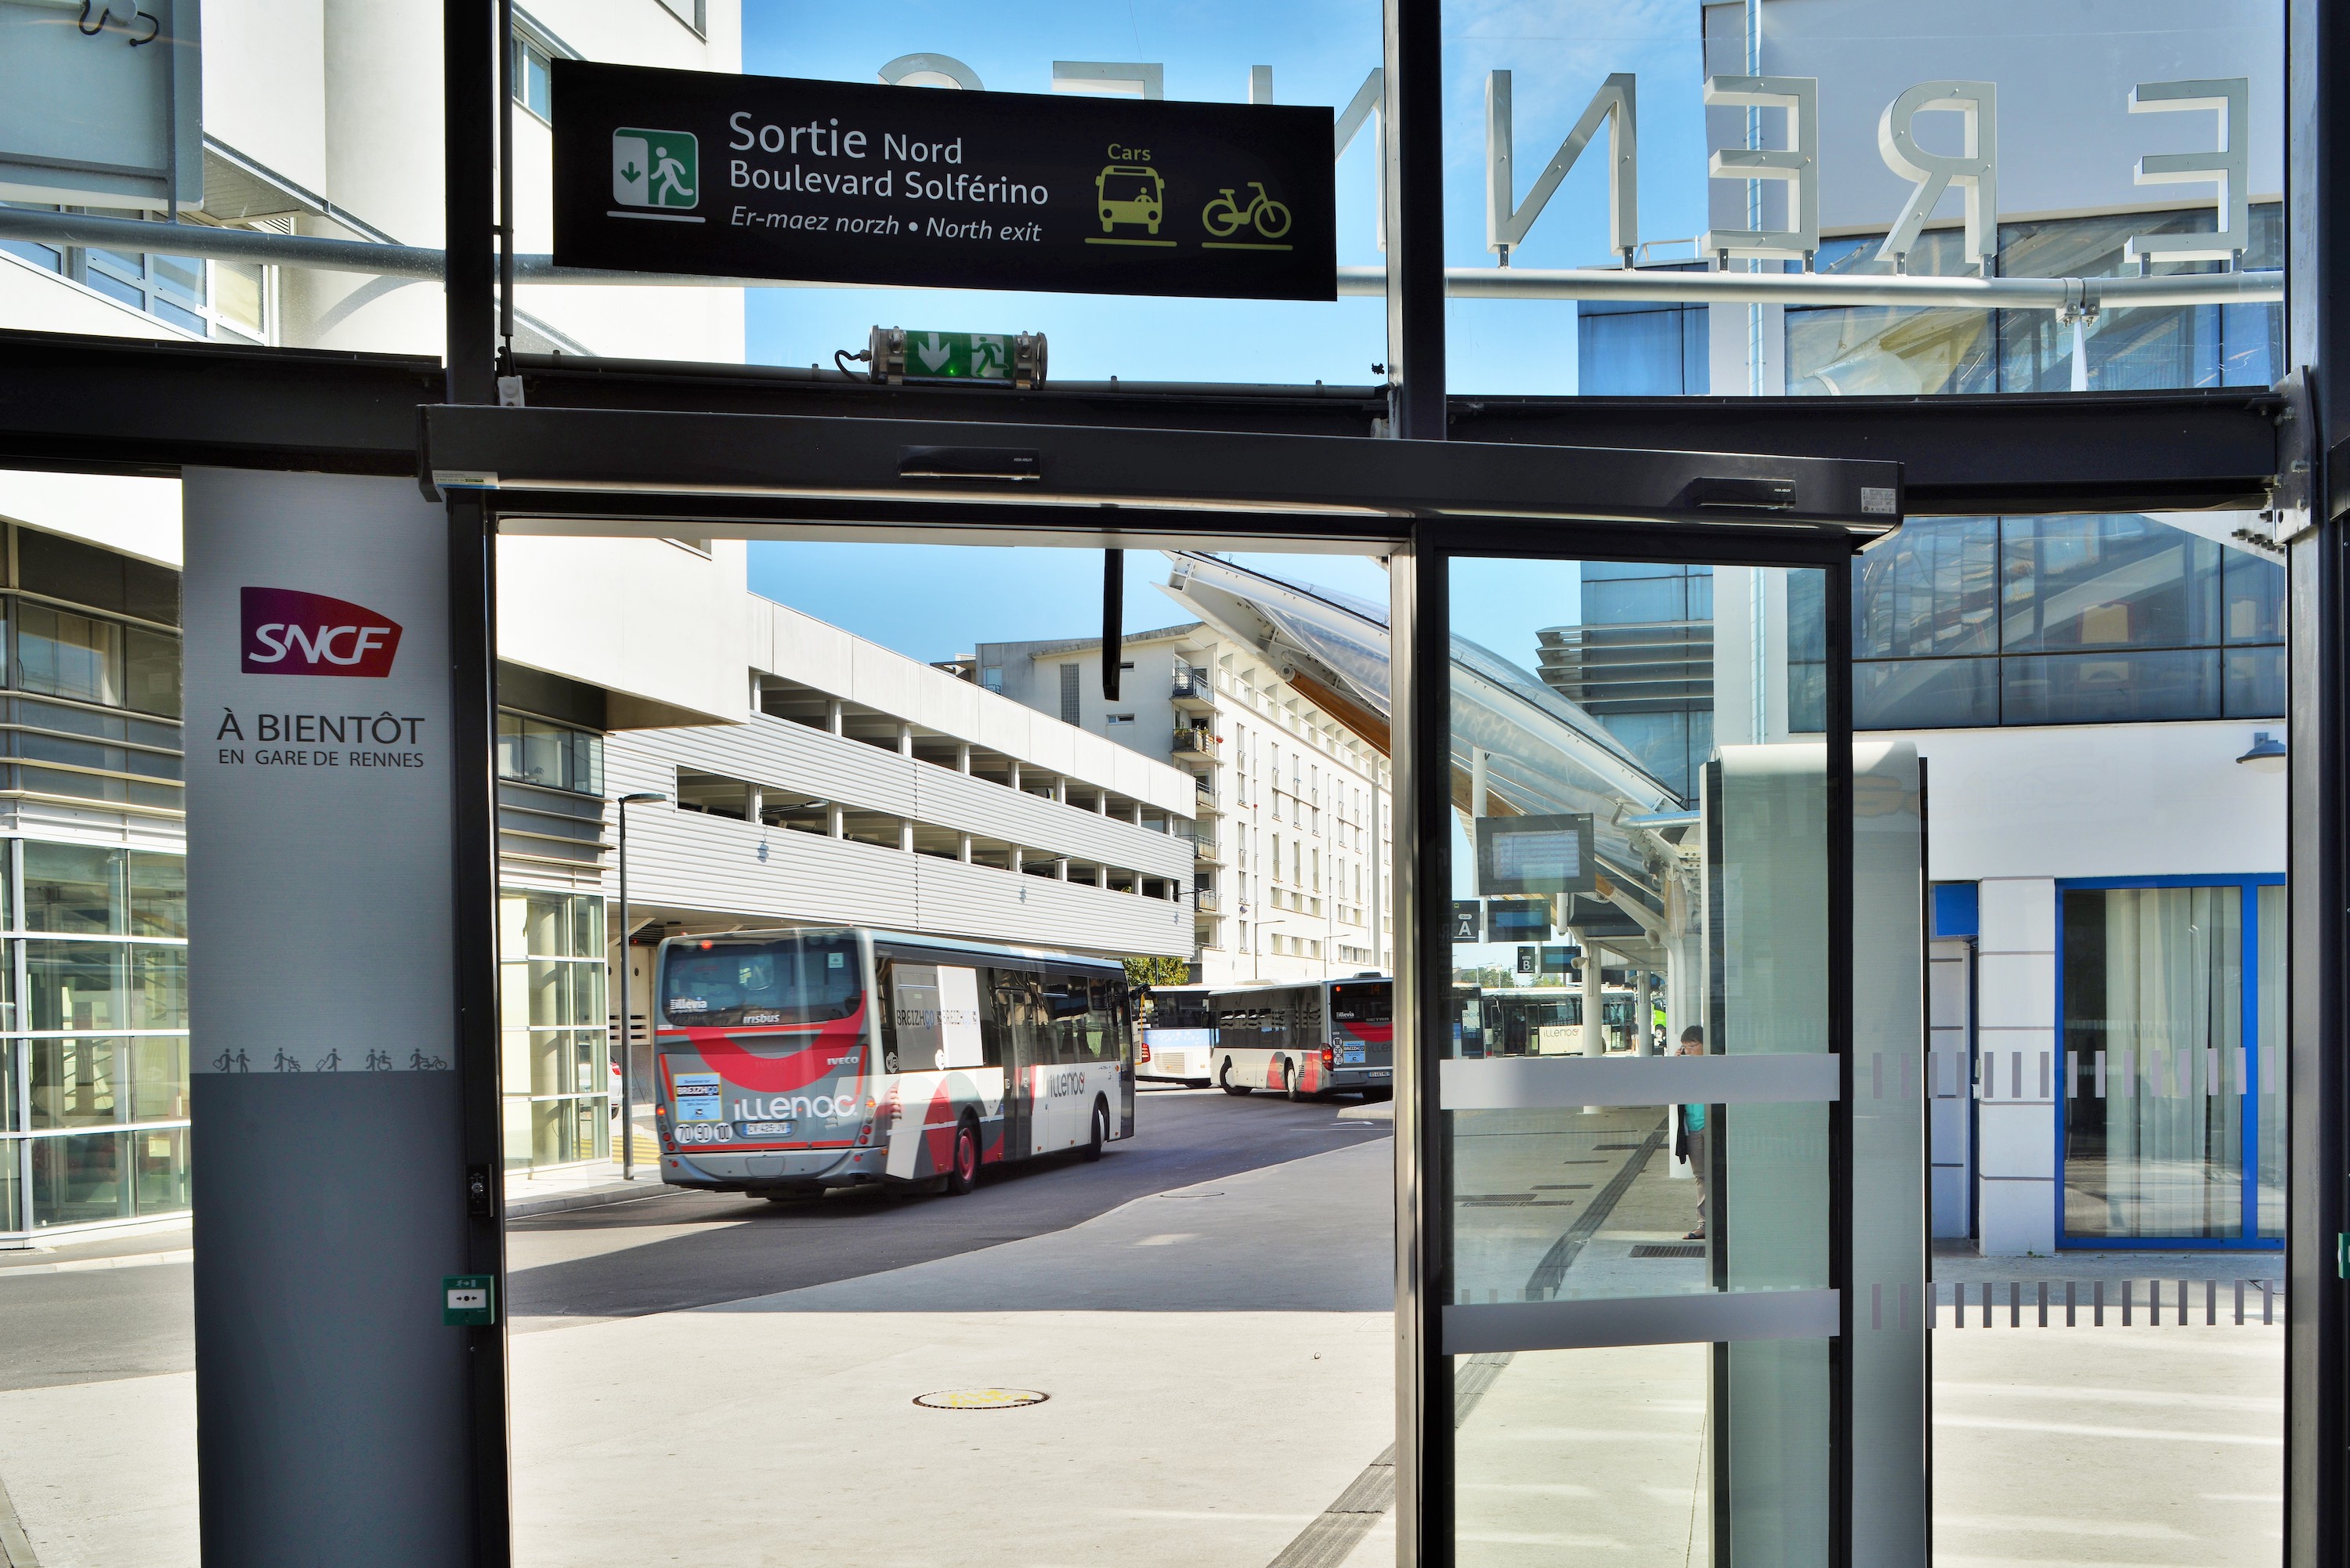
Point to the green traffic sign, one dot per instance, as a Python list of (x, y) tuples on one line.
[(469, 1301)]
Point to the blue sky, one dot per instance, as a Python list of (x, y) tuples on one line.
[(937, 601)]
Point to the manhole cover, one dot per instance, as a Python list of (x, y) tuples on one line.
[(979, 1398)]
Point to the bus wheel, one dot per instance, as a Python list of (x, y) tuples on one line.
[(1289, 1082), (962, 1175), (1225, 1079), (1102, 1131)]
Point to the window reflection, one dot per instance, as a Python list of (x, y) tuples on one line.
[(2121, 619)]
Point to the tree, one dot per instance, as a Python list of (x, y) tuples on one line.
[(1157, 970)]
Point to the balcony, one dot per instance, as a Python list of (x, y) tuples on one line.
[(1193, 747), (1204, 900), (1194, 691), (1206, 849)]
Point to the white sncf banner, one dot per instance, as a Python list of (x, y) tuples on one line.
[(319, 786)]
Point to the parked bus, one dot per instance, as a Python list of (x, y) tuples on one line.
[(1320, 1037), (1179, 1035), (792, 1060), (1547, 1020)]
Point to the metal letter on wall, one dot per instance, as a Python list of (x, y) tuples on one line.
[(1506, 223), (2229, 167), (1797, 164), (1974, 170), (330, 1398)]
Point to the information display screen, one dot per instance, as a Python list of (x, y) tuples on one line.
[(1546, 855)]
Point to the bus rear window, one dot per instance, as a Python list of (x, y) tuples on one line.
[(719, 984)]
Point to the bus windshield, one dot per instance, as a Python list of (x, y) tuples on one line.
[(808, 978)]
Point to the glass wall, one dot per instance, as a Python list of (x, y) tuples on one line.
[(554, 1056), (1853, 350), (94, 1043), (97, 1054), (2172, 1011), (2098, 619)]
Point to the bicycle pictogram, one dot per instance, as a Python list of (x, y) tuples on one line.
[(1226, 216)]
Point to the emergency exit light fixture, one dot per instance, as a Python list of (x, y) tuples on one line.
[(899, 354)]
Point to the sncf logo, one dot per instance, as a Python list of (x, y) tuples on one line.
[(289, 632)]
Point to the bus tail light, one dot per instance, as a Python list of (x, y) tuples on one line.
[(1330, 1057), (1145, 1049)]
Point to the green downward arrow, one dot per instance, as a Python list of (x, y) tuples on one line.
[(631, 174)]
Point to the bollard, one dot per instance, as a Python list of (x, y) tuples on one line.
[(2043, 1303)]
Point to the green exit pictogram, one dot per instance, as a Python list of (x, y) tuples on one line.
[(959, 356), (656, 168)]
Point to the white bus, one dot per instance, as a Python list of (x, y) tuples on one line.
[(792, 1060), (1316, 1037), (1547, 1021), (1178, 1036)]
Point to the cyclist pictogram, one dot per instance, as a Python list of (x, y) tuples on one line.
[(1226, 216)]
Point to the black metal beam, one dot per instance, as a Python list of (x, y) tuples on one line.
[(2060, 452), (121, 405), (1347, 487)]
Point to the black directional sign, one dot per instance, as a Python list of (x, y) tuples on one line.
[(769, 177)]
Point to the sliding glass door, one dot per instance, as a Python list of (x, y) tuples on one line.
[(1672, 1324)]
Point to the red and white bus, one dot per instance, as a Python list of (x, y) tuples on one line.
[(792, 1060), (1317, 1037), (1179, 1035)]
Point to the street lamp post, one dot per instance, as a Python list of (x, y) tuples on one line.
[(628, 1044)]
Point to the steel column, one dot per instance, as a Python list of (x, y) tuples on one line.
[(1413, 150), (1419, 662), (2317, 1319), (472, 49)]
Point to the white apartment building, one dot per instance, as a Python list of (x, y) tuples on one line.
[(1293, 804)]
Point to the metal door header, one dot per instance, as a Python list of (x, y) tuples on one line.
[(577, 464)]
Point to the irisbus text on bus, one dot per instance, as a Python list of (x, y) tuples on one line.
[(792, 1060)]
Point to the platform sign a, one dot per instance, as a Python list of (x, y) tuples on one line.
[(715, 175)]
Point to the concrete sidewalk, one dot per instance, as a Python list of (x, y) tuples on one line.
[(1219, 1362)]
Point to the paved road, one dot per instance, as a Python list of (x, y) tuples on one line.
[(684, 1250), (689, 1249)]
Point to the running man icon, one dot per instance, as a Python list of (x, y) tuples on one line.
[(659, 169)]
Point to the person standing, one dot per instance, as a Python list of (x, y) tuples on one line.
[(1690, 1143)]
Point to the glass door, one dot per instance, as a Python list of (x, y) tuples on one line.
[(1672, 1323)]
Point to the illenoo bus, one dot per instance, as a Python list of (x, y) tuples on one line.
[(1179, 1035), (792, 1061), (1315, 1038), (1517, 1017)]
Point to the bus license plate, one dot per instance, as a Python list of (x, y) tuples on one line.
[(1350, 1055), (764, 1129)]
